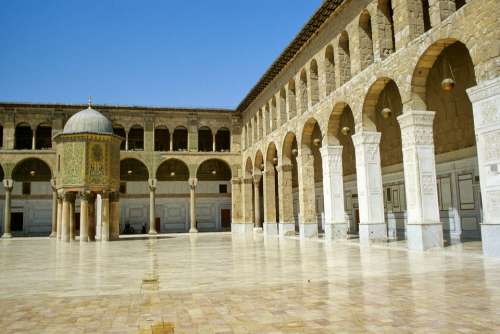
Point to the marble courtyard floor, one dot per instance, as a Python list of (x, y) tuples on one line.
[(214, 283)]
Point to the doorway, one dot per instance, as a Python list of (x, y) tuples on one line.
[(225, 219)]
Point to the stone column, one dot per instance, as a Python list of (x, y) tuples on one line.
[(72, 224), (213, 142), (370, 190), (114, 226), (8, 184), (270, 225), (424, 229), (84, 217), (68, 197), (285, 198), (126, 141), (236, 204), (336, 226), (193, 182), (53, 233), (256, 197), (59, 215), (33, 139), (171, 143), (152, 211), (485, 98), (308, 225), (105, 216), (246, 225)]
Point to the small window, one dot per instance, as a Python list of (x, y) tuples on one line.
[(222, 188), (26, 188), (123, 187)]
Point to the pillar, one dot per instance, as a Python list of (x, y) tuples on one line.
[(33, 139), (372, 225), (424, 229), (285, 198), (126, 141), (485, 98), (152, 212), (66, 216), (213, 142), (245, 226), (105, 216), (308, 225), (84, 217), (114, 226), (256, 205), (336, 226), (8, 184), (236, 214), (193, 182), (171, 143), (270, 225), (72, 223), (53, 233), (59, 215)]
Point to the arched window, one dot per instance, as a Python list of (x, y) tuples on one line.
[(162, 139), (387, 40), (329, 70), (313, 72), (223, 140), (365, 39), (303, 92), (344, 58), (180, 139), (43, 137), (205, 139), (136, 138), (120, 131), (23, 137), (426, 15)]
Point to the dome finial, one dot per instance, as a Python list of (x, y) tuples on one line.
[(90, 102)]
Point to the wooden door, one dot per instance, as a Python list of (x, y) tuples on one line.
[(225, 219)]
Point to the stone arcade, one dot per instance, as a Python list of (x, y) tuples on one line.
[(381, 119)]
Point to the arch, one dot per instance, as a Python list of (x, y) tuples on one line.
[(31, 170), (344, 58), (119, 130), (274, 114), (426, 15), (282, 107), (205, 139), (259, 162), (385, 18), (132, 169), (292, 99), (370, 103), (248, 167), (162, 139), (289, 148), (310, 133), (172, 170), (180, 139), (334, 123), (136, 138), (223, 140), (43, 136), (314, 77), (303, 95), (271, 154), (23, 137), (214, 170), (329, 70), (365, 39)]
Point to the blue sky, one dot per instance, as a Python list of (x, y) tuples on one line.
[(196, 53)]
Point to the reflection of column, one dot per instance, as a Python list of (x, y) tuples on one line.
[(192, 189), (115, 216), (84, 217), (485, 99), (333, 193), (7, 184), (59, 215), (424, 229), (256, 196), (152, 214), (308, 225), (66, 213), (370, 191), (72, 223), (285, 198), (53, 233), (236, 201), (270, 226), (105, 216)]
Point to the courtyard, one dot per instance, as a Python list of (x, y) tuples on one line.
[(220, 283)]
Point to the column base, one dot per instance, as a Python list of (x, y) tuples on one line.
[(336, 231), (308, 230), (53, 235), (152, 232), (490, 235), (258, 229), (270, 228), (421, 237), (193, 230), (286, 229), (242, 229), (113, 237), (6, 235), (372, 232)]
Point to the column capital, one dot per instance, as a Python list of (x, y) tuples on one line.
[(152, 183), (8, 184), (416, 128), (329, 150), (420, 118), (193, 182), (366, 137), (236, 181)]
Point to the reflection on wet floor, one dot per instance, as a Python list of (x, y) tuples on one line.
[(216, 283)]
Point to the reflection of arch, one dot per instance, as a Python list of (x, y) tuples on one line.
[(31, 170), (162, 139), (365, 39), (136, 138), (223, 140), (120, 131), (213, 170), (172, 170), (180, 139), (258, 162), (23, 137), (205, 139), (43, 137), (132, 169)]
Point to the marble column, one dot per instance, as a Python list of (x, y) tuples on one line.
[(66, 216), (59, 214), (336, 226), (372, 225), (8, 184), (105, 230), (114, 216), (72, 222), (270, 225), (84, 217), (152, 211), (193, 182), (285, 198), (485, 98), (236, 205), (308, 225), (256, 205), (53, 233), (424, 229), (246, 225)]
